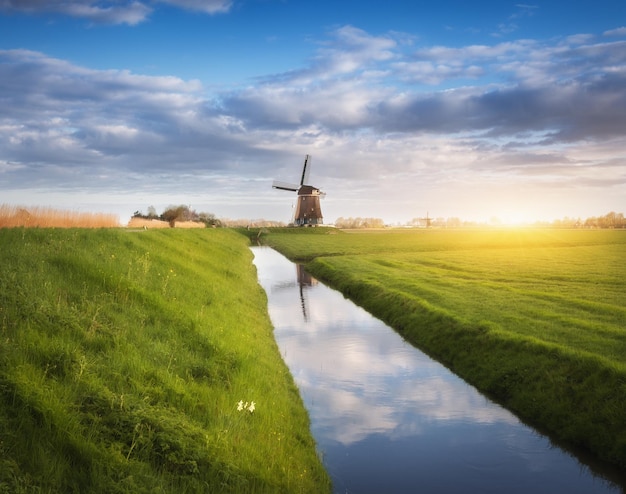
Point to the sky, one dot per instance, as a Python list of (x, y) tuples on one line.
[(472, 110)]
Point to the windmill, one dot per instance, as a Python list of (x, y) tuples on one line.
[(427, 220), (308, 209)]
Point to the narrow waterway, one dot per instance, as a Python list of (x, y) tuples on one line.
[(387, 418)]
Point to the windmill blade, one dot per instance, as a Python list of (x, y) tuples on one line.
[(285, 186), (306, 169)]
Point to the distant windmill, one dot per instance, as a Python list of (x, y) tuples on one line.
[(308, 209), (427, 220)]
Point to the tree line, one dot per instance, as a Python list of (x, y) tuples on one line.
[(359, 222), (609, 220), (172, 214), (180, 213)]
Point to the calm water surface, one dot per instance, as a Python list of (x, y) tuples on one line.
[(388, 419)]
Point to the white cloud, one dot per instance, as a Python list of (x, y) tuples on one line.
[(353, 49), (620, 31), (130, 14), (107, 12), (110, 11), (206, 6)]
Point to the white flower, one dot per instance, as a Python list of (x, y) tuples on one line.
[(246, 406)]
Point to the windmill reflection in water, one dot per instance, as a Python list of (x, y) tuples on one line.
[(304, 281)]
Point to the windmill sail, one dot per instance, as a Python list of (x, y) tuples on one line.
[(285, 186), (305, 171)]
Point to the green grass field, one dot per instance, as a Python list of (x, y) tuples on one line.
[(534, 318), (123, 358)]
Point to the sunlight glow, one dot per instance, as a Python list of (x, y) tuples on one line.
[(512, 219)]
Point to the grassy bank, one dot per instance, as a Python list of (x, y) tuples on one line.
[(534, 318), (124, 358)]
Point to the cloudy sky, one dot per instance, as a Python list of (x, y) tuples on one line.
[(459, 109)]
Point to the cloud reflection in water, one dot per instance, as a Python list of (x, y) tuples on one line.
[(361, 377), (386, 417)]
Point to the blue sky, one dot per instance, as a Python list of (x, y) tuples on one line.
[(459, 109)]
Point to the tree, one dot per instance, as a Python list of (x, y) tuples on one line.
[(152, 214), (178, 213), (209, 219)]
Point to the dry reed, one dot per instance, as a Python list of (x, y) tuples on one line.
[(45, 217), (146, 223), (189, 224)]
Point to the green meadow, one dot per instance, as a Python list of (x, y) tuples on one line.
[(143, 361), (536, 319)]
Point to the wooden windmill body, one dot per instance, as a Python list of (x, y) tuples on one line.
[(308, 209)]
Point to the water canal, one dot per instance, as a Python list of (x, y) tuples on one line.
[(387, 418)]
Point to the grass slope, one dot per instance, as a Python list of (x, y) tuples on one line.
[(123, 358), (534, 318)]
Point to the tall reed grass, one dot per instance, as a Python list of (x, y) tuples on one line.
[(12, 216), (147, 223)]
